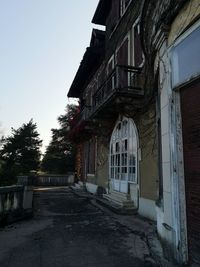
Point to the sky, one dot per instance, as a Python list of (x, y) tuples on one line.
[(42, 43)]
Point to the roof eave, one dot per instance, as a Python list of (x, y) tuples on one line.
[(101, 12)]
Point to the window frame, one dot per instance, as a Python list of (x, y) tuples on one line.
[(180, 39), (124, 6), (114, 155)]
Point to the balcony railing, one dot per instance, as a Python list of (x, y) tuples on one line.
[(82, 116), (80, 127), (123, 80)]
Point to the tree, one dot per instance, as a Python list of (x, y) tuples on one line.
[(1, 136), (59, 155), (20, 152)]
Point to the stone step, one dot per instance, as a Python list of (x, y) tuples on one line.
[(117, 208), (111, 199), (119, 194), (77, 186), (114, 198), (128, 204), (123, 203), (117, 197)]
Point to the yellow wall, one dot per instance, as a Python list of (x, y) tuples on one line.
[(186, 16), (148, 165), (101, 177)]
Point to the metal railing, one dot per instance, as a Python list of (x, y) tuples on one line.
[(124, 79), (83, 115)]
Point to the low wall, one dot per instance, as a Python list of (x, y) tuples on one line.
[(15, 203), (46, 180), (54, 180)]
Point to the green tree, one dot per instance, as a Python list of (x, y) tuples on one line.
[(20, 152), (59, 155), (1, 136)]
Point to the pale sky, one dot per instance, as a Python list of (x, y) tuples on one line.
[(42, 43)]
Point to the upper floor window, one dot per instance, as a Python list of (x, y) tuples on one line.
[(186, 57), (91, 156), (138, 57), (123, 6)]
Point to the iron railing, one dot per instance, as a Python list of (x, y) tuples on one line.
[(123, 79), (83, 115)]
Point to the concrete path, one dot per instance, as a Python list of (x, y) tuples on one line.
[(68, 231)]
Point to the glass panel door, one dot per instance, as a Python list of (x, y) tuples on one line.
[(123, 155)]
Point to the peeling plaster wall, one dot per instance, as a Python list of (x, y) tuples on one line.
[(148, 167), (187, 15), (102, 171), (165, 223), (171, 216), (102, 163)]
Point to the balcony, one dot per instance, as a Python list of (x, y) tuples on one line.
[(81, 127), (81, 117), (122, 87)]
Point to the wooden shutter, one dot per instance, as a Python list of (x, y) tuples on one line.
[(137, 47), (122, 53), (91, 156), (122, 59)]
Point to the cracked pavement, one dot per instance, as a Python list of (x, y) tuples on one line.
[(68, 231)]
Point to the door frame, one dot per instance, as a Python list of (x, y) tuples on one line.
[(116, 183), (177, 158)]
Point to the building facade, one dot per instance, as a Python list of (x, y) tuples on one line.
[(137, 132), (120, 154), (170, 37)]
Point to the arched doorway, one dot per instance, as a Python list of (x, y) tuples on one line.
[(123, 160)]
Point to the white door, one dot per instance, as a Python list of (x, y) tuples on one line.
[(123, 155)]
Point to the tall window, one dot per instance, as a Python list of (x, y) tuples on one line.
[(123, 152), (91, 145)]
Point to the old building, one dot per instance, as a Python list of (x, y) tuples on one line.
[(170, 32), (116, 127), (137, 132)]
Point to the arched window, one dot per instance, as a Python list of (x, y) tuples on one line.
[(123, 155)]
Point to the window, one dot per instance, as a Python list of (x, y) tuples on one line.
[(123, 6), (91, 151), (186, 58), (109, 70)]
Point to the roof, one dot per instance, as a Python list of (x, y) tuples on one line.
[(98, 36), (92, 58), (101, 12)]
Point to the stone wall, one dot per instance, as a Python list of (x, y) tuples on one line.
[(15, 203)]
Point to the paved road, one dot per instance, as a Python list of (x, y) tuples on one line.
[(68, 231)]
